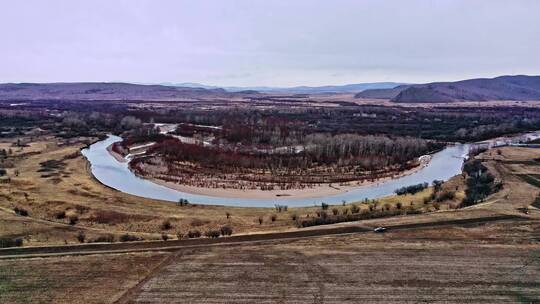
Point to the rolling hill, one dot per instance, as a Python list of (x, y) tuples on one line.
[(518, 87), (381, 93), (101, 91), (348, 88)]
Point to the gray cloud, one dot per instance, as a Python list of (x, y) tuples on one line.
[(267, 42)]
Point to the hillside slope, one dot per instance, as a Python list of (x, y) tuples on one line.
[(100, 91), (519, 87), (381, 93), (347, 88)]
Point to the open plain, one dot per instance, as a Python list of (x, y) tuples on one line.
[(486, 253)]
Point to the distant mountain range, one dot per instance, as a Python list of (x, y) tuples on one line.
[(518, 87), (101, 91), (164, 91), (500, 88), (348, 88)]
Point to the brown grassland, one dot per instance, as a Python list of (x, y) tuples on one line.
[(69, 191), (478, 263)]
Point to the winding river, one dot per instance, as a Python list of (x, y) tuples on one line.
[(110, 172)]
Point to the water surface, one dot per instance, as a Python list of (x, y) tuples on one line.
[(110, 172)]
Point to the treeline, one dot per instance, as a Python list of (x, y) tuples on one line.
[(363, 152), (480, 183), (412, 189), (368, 151), (80, 124), (277, 125), (68, 121), (325, 219), (287, 125)]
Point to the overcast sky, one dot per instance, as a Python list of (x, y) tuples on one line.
[(267, 42)]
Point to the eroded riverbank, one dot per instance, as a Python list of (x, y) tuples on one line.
[(109, 171)]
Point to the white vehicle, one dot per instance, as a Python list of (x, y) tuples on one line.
[(379, 229)]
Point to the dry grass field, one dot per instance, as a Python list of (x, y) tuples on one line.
[(53, 196), (347, 270), (493, 262), (71, 192), (74, 279)]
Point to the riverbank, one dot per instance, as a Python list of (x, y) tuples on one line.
[(102, 208), (319, 190), (116, 156), (443, 165)]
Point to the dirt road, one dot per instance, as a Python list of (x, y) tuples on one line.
[(82, 249)]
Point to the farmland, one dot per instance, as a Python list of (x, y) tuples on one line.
[(54, 186), (459, 261), (473, 238), (270, 152), (493, 262)]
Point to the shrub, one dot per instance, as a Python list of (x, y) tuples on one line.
[(335, 211), (179, 235), (164, 236), (182, 202), (260, 220), (413, 211), (108, 238), (346, 218), (273, 217), (226, 230), (166, 225), (280, 208), (212, 234), (446, 195), (398, 205), (294, 216), (73, 220), (345, 211), (480, 183), (192, 234), (355, 209), (81, 237), (536, 202), (411, 189), (20, 211), (228, 215), (106, 216), (8, 242), (60, 215), (81, 209), (437, 185), (197, 222), (129, 238), (324, 206)]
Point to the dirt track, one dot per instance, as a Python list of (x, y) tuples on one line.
[(331, 272), (239, 239), (485, 259)]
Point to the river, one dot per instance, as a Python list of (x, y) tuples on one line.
[(110, 172)]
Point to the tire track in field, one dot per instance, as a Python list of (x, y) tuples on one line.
[(29, 252)]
